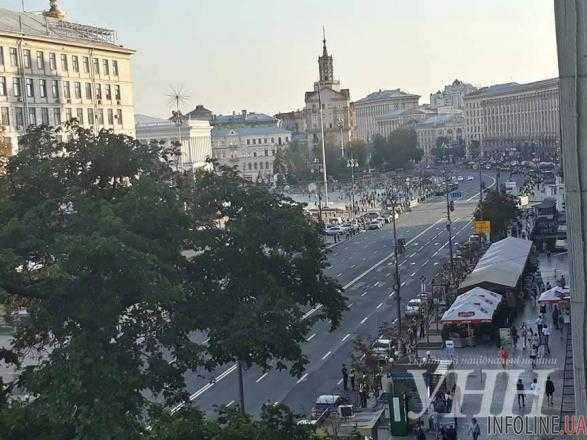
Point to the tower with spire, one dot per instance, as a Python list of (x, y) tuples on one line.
[(325, 64)]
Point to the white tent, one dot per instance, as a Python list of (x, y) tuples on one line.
[(475, 306), (555, 295)]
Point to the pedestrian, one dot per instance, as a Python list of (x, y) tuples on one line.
[(363, 395), (514, 333), (450, 433), (345, 377), (524, 332), (546, 334), (542, 309), (534, 352), (539, 324), (549, 389), (420, 433), (548, 286), (563, 281), (503, 357), (352, 378), (555, 316), (534, 385), (521, 397), (474, 429)]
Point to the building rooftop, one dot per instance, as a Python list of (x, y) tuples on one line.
[(513, 87), (243, 118), (266, 130), (441, 119), (42, 27), (385, 95), (406, 112)]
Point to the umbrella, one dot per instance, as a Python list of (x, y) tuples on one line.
[(555, 295), (473, 307)]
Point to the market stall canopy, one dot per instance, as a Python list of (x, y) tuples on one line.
[(555, 295), (473, 307), (502, 265)]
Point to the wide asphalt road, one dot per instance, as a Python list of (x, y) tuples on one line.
[(364, 265)]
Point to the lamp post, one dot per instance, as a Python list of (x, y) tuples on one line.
[(323, 145), (392, 201), (340, 122), (316, 186), (352, 164)]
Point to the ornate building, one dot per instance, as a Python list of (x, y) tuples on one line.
[(452, 97), (447, 125), (335, 104), (369, 109), (513, 115), (389, 122)]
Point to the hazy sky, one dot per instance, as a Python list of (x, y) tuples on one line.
[(261, 55)]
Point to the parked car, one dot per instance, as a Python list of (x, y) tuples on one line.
[(470, 178), (375, 224), (414, 307), (382, 349), (460, 179), (334, 230)]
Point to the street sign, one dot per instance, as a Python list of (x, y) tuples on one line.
[(483, 227), (455, 195)]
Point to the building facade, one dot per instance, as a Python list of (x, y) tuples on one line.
[(373, 106), (192, 134), (53, 70), (335, 104), (396, 119), (513, 115), (452, 97), (450, 126), (250, 142)]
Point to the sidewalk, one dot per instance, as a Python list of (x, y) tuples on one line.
[(552, 269)]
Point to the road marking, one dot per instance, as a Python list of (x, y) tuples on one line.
[(415, 244), (436, 263), (303, 378), (353, 266), (435, 254), (436, 244), (413, 263), (376, 265), (364, 293), (262, 377), (229, 404), (346, 337), (311, 337), (412, 255), (326, 355), (364, 320), (391, 294), (403, 284), (311, 312), (339, 382), (411, 276), (339, 275), (394, 321), (379, 306)]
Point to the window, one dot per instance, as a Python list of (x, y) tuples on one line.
[(250, 166), (5, 116), (254, 141), (110, 116), (117, 92), (19, 117), (248, 142), (115, 67), (1, 55), (67, 90), (98, 91), (52, 61), (2, 86), (100, 116), (75, 63), (40, 60), (86, 62), (13, 57), (88, 91), (106, 65), (255, 165), (261, 165), (68, 115), (77, 87), (64, 64), (27, 58), (267, 165), (272, 140), (32, 116), (16, 87), (43, 88), (80, 116), (55, 88), (91, 119), (96, 66), (119, 116), (265, 140), (109, 92), (57, 116), (45, 116)]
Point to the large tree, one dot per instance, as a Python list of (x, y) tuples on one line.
[(399, 150), (500, 209)]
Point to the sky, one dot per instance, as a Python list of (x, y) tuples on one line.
[(261, 55)]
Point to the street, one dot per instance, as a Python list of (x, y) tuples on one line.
[(364, 266)]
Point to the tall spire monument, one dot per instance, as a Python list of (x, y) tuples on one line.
[(325, 64)]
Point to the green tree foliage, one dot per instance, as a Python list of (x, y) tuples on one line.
[(500, 210), (118, 260), (399, 150)]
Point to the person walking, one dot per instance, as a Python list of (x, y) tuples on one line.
[(524, 332), (352, 378), (555, 316), (503, 356), (539, 325), (549, 390), (545, 339), (521, 396), (474, 429), (420, 435), (514, 333), (534, 353), (345, 377)]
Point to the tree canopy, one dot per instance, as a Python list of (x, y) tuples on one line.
[(397, 151), (500, 209)]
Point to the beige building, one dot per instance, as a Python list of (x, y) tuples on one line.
[(335, 107), (450, 126), (452, 96), (53, 70), (396, 119), (373, 106), (512, 115)]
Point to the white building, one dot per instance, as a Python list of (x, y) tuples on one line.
[(335, 107), (450, 126), (452, 97), (389, 122), (369, 109), (53, 70), (192, 134)]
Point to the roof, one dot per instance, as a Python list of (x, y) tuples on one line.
[(406, 112), (200, 112), (141, 119), (264, 130), (512, 88), (385, 95), (476, 305), (502, 264), (46, 28), (442, 119), (246, 118)]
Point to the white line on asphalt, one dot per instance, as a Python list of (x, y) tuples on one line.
[(435, 254), (346, 337), (412, 255), (413, 263), (364, 320), (364, 293), (413, 275), (339, 275), (303, 378), (311, 312), (262, 377), (277, 402), (376, 265), (403, 284), (353, 266), (391, 294), (362, 357), (229, 404), (326, 355), (379, 306), (311, 337), (339, 382), (394, 321)]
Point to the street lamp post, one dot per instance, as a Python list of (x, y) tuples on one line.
[(392, 199), (323, 145), (352, 164), (341, 126)]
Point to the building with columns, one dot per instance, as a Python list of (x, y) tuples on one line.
[(513, 115), (389, 122), (452, 97), (373, 106), (446, 125), (53, 70), (335, 104)]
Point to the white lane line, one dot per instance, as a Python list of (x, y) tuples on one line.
[(326, 355), (436, 263), (364, 320), (353, 266), (364, 293), (416, 244), (303, 378), (412, 254), (435, 254), (391, 294), (477, 195), (346, 337), (339, 382), (339, 275), (403, 284), (262, 377), (413, 275), (311, 312), (413, 263), (311, 337), (205, 341), (229, 404), (379, 306), (376, 265)]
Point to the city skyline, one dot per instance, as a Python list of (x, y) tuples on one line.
[(265, 63)]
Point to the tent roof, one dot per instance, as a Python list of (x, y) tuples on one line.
[(554, 295), (476, 305), (502, 264)]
